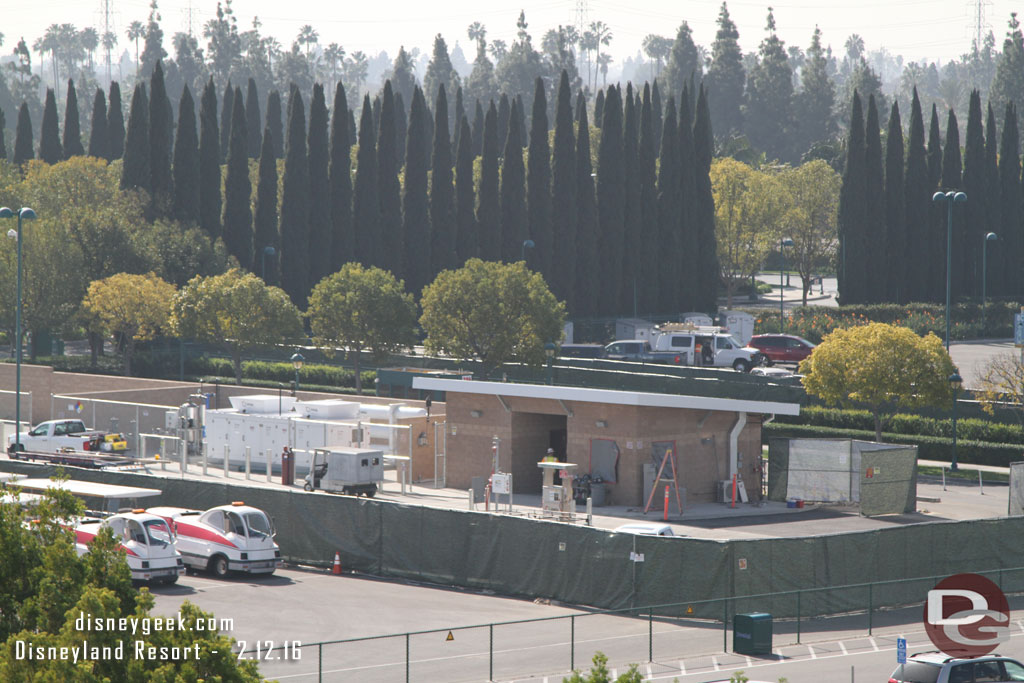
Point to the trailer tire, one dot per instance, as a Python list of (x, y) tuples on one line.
[(307, 487), (219, 566), (741, 365), (370, 493)]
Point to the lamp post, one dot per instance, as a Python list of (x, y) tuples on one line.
[(549, 351), (783, 243), (955, 381), (949, 197), (527, 244), (297, 361), (990, 237), (267, 251), (24, 214)]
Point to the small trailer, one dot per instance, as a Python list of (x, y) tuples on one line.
[(351, 471), (94, 461)]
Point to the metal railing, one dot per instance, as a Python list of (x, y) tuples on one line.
[(666, 632)]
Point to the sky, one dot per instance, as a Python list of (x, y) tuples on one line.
[(917, 29)]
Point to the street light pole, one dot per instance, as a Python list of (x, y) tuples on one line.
[(783, 243), (297, 361), (955, 381), (949, 198), (990, 237), (24, 214), (549, 351)]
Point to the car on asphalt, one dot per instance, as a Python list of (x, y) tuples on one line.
[(939, 667), (781, 348)]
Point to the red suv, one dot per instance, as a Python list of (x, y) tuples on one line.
[(781, 348)]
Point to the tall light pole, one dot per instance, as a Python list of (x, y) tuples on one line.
[(527, 244), (783, 243), (267, 251), (24, 214), (949, 197), (297, 361), (549, 352), (990, 237), (955, 382)]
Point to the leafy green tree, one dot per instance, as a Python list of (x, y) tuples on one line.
[(564, 197), (883, 368), (361, 308), (514, 228), (1010, 201), (265, 215), (49, 138), (937, 257), (115, 122), (875, 269), (538, 184), (160, 121), (853, 201), (130, 307), (320, 228), (650, 250), (275, 124), (683, 62), (401, 130), (238, 236), (657, 117), (767, 112), (389, 190), (952, 180), (72, 143), (227, 101), (707, 268), (209, 163), (504, 113), (253, 122), (632, 213), (403, 75), (687, 239), (186, 174), (814, 104), (494, 312), (237, 309), (442, 200), (611, 202), (365, 204), (488, 210), (99, 139), (154, 51), (599, 109), (917, 205), (813, 188), (515, 73), (599, 673), (670, 213), (587, 229), (294, 227), (23, 137), (440, 72), (480, 84), (467, 237), (416, 207), (992, 203), (895, 211), (1008, 84), (968, 244), (136, 170), (340, 179), (726, 76)]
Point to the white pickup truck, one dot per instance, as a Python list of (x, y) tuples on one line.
[(54, 436), (716, 347)]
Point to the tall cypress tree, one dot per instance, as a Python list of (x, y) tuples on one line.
[(874, 227), (135, 172), (72, 143), (376, 115), (518, 115), (294, 226), (99, 139), (599, 109), (631, 247), (275, 123), (667, 276), (538, 186), (460, 111), (389, 192), (50, 149), (708, 269), (488, 209), (416, 207), (115, 122), (895, 211), (504, 112), (238, 238), (917, 202), (657, 117), (967, 245), (23, 137), (478, 129), (513, 194), (253, 121), (225, 119), (161, 183), (952, 179), (442, 200), (265, 217), (993, 210), (3, 135), (342, 239), (320, 231), (186, 162), (209, 163), (648, 237), (937, 217), (563, 198), (401, 130), (611, 202), (1012, 227), (587, 229), (467, 239), (365, 205), (687, 238), (853, 198)]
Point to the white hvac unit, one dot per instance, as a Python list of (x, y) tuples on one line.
[(327, 409), (262, 404), (724, 491)]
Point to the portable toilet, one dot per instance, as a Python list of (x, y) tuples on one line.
[(697, 319), (738, 324)]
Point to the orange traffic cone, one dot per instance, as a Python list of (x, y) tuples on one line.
[(336, 569)]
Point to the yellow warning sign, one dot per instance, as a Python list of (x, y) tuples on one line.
[(689, 609), (450, 637)]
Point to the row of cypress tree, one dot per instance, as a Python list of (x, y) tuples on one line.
[(627, 235), (893, 236)]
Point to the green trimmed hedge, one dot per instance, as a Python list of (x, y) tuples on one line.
[(928, 447), (311, 374)]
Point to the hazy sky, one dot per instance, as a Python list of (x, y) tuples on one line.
[(934, 29)]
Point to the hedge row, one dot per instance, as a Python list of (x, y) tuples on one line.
[(968, 429), (928, 447), (310, 374)]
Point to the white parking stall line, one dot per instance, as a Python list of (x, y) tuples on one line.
[(873, 643), (714, 661), (810, 651), (842, 646), (682, 668)]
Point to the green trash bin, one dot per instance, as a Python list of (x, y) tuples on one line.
[(752, 634)]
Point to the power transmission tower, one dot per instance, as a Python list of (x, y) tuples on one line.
[(190, 12), (581, 27), (107, 10), (977, 10)]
